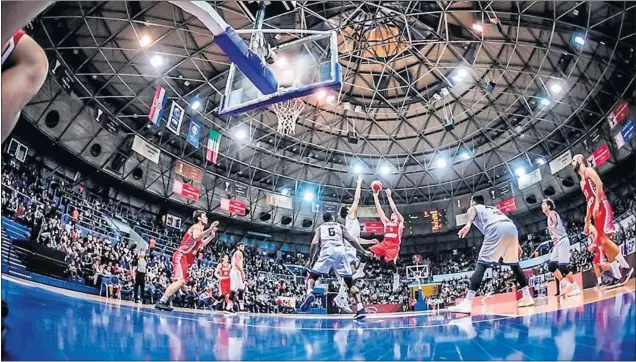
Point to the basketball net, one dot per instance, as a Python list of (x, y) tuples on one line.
[(288, 112)]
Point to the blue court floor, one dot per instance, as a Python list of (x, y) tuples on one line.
[(46, 325)]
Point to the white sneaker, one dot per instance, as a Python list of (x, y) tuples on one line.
[(574, 290), (463, 307), (525, 302), (466, 325), (359, 274), (343, 304)]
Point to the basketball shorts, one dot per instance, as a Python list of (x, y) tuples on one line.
[(604, 221), (388, 251), (501, 240), (352, 255), (11, 44), (180, 264), (333, 258), (225, 286), (561, 251), (236, 280)]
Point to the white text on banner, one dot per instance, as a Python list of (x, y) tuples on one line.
[(562, 161), (529, 179), (280, 201), (146, 149)]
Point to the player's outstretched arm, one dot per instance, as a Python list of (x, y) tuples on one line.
[(362, 241), (353, 241), (356, 197), (314, 248), (472, 214), (378, 207), (393, 207)]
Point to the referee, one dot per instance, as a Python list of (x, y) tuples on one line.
[(140, 277)]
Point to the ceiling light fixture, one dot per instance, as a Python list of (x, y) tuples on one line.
[(145, 40), (156, 61), (478, 27), (520, 172)]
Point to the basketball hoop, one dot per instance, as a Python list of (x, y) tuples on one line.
[(288, 112)]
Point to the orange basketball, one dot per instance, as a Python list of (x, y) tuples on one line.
[(376, 186)]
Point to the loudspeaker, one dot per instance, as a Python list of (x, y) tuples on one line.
[(307, 223), (449, 124), (286, 220), (352, 137), (265, 216)]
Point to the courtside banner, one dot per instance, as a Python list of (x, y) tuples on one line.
[(185, 190), (618, 114), (507, 206), (175, 118), (461, 219), (373, 227), (189, 172), (158, 103), (233, 206), (194, 133), (599, 156), (280, 201), (146, 149), (529, 179), (560, 162)]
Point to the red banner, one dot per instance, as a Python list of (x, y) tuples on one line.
[(185, 190), (507, 206), (599, 156), (189, 172), (373, 227), (233, 206), (618, 114)]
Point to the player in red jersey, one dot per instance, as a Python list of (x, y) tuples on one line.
[(600, 210), (195, 239), (222, 273), (599, 263), (389, 248)]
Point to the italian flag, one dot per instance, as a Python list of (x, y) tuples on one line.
[(214, 141)]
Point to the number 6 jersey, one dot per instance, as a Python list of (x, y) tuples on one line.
[(331, 235)]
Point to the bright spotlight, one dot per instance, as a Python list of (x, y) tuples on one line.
[(284, 192), (357, 169), (540, 161), (196, 104), (281, 62), (556, 88), (156, 61), (241, 134), (579, 40), (331, 98), (321, 94), (465, 155), (145, 40), (478, 27), (308, 196), (462, 73), (385, 170), (441, 163), (520, 172), (545, 102), (457, 78)]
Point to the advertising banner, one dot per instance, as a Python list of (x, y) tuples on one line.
[(529, 179), (146, 149), (190, 172), (507, 206), (373, 227), (233, 206), (561, 161), (185, 190), (618, 114)]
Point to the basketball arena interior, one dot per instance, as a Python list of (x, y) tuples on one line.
[(183, 184)]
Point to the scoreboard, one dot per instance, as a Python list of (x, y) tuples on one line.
[(437, 219)]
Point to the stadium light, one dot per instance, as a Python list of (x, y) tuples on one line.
[(284, 192), (441, 163), (478, 27), (540, 161), (579, 40), (384, 170), (556, 88), (156, 61), (331, 98), (465, 155), (196, 104), (545, 102), (308, 195), (241, 134), (462, 72), (281, 62), (321, 94), (357, 169), (520, 172), (145, 40)]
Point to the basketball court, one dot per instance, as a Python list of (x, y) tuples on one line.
[(68, 325)]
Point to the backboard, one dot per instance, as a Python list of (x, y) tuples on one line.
[(305, 63)]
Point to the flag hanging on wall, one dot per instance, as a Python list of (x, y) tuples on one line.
[(214, 141), (158, 103)]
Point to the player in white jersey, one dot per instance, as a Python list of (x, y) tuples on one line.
[(237, 279), (328, 252), (501, 241), (352, 224), (560, 256)]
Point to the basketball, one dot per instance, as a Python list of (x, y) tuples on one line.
[(376, 186)]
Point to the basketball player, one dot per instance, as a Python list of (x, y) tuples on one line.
[(237, 279), (501, 241), (389, 248), (195, 239), (599, 262), (599, 209), (560, 256), (24, 69), (17, 14), (352, 224), (328, 252), (222, 273)]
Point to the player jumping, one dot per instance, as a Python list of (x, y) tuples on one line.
[(328, 252), (501, 241), (599, 208), (237, 279), (222, 273), (560, 256), (389, 248), (195, 239)]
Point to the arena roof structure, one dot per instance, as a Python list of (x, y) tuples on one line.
[(446, 98)]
